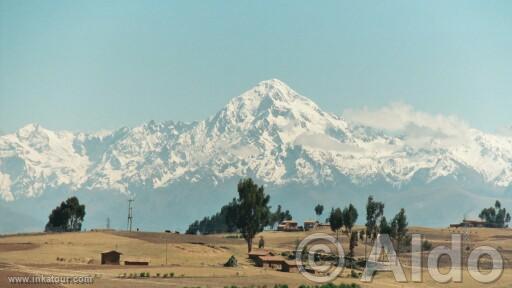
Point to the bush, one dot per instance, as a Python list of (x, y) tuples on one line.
[(354, 274), (426, 245), (232, 262)]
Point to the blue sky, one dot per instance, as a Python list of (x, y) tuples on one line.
[(89, 65)]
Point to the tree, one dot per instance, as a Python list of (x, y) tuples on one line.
[(319, 209), (250, 211), (495, 216), (193, 228), (374, 210), (217, 223), (336, 220), (349, 217), (384, 227), (67, 217), (353, 243), (399, 228)]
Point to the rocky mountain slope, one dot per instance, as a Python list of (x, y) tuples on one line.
[(271, 133)]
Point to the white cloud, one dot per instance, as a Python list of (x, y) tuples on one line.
[(417, 128)]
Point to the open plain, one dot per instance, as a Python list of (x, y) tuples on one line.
[(189, 260)]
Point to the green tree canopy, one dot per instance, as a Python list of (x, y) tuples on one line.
[(66, 217), (319, 209), (353, 243), (250, 212), (399, 227), (384, 227), (495, 216), (336, 220), (217, 223), (374, 210), (349, 217)]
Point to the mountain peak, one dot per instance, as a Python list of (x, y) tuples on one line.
[(272, 109), (273, 83), (269, 98), (29, 129), (275, 89)]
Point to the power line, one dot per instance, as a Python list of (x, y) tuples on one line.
[(130, 214)]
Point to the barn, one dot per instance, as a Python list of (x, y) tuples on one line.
[(290, 266), (254, 254), (110, 257), (274, 262)]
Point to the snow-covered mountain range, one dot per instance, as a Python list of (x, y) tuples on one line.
[(271, 133)]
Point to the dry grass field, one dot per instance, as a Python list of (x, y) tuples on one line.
[(198, 260)]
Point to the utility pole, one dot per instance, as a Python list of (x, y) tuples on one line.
[(166, 246), (108, 222), (130, 214)]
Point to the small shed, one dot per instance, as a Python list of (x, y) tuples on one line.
[(274, 262), (254, 254), (137, 261), (308, 225), (288, 225), (110, 257), (290, 266)]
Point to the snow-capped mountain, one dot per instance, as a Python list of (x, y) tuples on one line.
[(271, 133)]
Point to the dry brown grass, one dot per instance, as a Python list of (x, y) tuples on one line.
[(197, 260)]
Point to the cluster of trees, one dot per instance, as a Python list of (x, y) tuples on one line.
[(67, 217), (222, 222), (248, 214), (217, 223), (343, 218), (376, 223), (496, 216)]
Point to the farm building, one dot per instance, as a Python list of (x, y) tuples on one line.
[(254, 254), (290, 266), (137, 261), (274, 262), (110, 257), (469, 223), (288, 225), (308, 225)]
